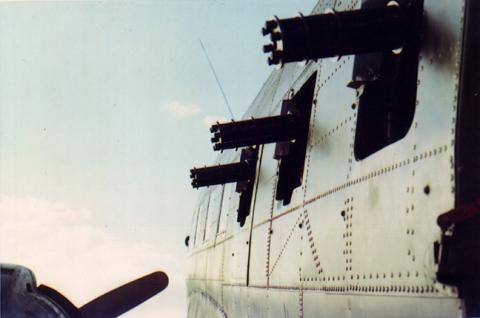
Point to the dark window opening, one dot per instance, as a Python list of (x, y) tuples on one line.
[(245, 187), (289, 131), (388, 85), (292, 153)]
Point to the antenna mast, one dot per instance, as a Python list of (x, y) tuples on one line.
[(216, 78)]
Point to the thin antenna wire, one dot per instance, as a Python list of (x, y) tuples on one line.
[(216, 78)]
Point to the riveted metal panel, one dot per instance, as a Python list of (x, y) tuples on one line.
[(199, 239), (266, 185), (257, 303), (331, 131), (236, 243), (202, 304), (214, 207), (273, 91), (386, 250), (324, 242), (439, 74), (391, 248), (228, 191), (365, 248), (284, 250), (283, 303), (213, 288), (262, 212), (214, 263), (260, 250), (319, 304), (390, 307), (236, 258), (235, 300)]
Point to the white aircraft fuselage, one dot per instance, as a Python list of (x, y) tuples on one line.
[(360, 235)]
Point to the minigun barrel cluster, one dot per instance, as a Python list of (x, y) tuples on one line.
[(382, 27), (233, 172), (242, 172), (255, 131), (337, 33)]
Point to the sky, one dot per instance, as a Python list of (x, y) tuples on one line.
[(104, 108)]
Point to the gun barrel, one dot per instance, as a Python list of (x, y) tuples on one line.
[(255, 131), (338, 33), (220, 174)]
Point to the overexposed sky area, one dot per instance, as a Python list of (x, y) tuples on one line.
[(104, 108)]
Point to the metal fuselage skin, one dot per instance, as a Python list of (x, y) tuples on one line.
[(358, 237)]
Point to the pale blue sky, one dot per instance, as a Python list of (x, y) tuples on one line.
[(102, 114)]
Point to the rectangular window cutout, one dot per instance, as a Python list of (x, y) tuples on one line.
[(387, 84), (292, 153), (245, 187)]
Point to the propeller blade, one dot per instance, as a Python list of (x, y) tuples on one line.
[(122, 299)]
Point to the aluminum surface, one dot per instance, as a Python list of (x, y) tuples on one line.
[(357, 238)]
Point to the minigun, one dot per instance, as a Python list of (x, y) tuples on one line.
[(373, 29), (242, 172), (255, 131)]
